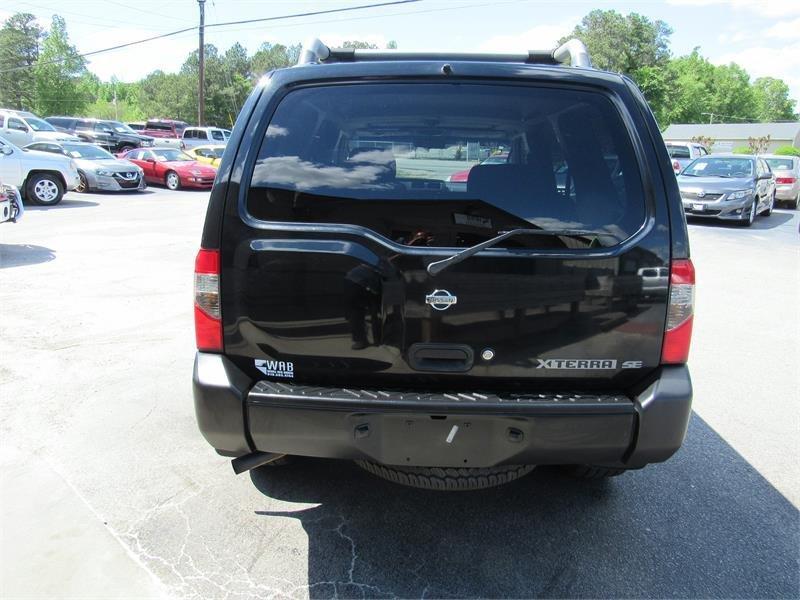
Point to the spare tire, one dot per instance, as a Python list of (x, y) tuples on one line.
[(455, 479)]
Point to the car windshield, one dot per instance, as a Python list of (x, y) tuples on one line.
[(678, 151), (779, 164), (86, 151), (168, 154), (720, 167), (214, 152), (120, 127), (366, 151), (39, 125)]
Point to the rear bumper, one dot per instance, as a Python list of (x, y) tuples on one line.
[(238, 416), (786, 192)]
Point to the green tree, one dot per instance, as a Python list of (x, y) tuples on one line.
[(169, 96), (58, 74), (19, 49), (772, 102), (633, 45), (269, 57)]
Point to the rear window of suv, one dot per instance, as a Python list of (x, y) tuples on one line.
[(678, 151), (420, 162)]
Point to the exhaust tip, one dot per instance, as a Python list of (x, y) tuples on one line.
[(250, 461)]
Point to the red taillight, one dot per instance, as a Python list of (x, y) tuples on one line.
[(680, 313), (207, 315), (676, 166), (788, 180)]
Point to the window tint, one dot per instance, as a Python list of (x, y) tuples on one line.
[(159, 126), (374, 154), (678, 151), (216, 134), (15, 123), (780, 164), (103, 127)]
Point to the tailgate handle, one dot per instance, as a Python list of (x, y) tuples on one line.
[(446, 358)]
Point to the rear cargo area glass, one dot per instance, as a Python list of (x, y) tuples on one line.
[(450, 164)]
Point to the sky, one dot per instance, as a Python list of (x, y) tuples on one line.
[(760, 35)]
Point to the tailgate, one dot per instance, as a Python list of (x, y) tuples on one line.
[(357, 189)]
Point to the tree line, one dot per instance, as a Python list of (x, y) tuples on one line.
[(43, 72)]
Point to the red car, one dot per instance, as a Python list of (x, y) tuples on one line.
[(462, 176), (171, 167)]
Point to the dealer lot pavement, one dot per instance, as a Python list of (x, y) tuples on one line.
[(108, 489)]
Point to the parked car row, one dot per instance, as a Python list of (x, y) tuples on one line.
[(46, 158)]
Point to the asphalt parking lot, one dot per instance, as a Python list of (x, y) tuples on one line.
[(109, 491)]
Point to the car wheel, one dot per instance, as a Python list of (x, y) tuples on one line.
[(752, 215), (768, 212), (447, 478), (44, 189), (172, 180), (83, 185)]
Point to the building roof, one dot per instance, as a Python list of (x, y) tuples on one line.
[(733, 131)]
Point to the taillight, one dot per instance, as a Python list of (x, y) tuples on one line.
[(680, 313), (207, 314), (788, 180), (676, 166)]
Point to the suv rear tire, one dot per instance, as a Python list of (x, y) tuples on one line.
[(44, 189), (447, 478), (592, 472)]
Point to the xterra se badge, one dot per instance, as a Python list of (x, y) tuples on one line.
[(586, 365), (440, 299)]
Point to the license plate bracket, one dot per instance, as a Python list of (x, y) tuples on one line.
[(439, 440)]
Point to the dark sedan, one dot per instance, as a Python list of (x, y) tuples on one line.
[(728, 186)]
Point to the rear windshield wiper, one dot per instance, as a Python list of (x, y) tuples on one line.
[(438, 266)]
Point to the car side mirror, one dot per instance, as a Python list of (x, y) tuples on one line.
[(6, 151)]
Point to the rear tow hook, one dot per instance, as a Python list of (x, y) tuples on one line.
[(253, 460)]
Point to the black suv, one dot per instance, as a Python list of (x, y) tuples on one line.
[(114, 136), (357, 296)]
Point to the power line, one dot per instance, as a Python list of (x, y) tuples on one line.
[(195, 27)]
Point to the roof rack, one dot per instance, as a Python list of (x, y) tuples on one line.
[(574, 51)]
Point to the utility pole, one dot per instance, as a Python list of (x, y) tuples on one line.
[(201, 100)]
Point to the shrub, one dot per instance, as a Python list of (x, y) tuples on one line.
[(743, 150), (788, 151)]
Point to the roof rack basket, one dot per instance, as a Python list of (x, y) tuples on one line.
[(574, 51)]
